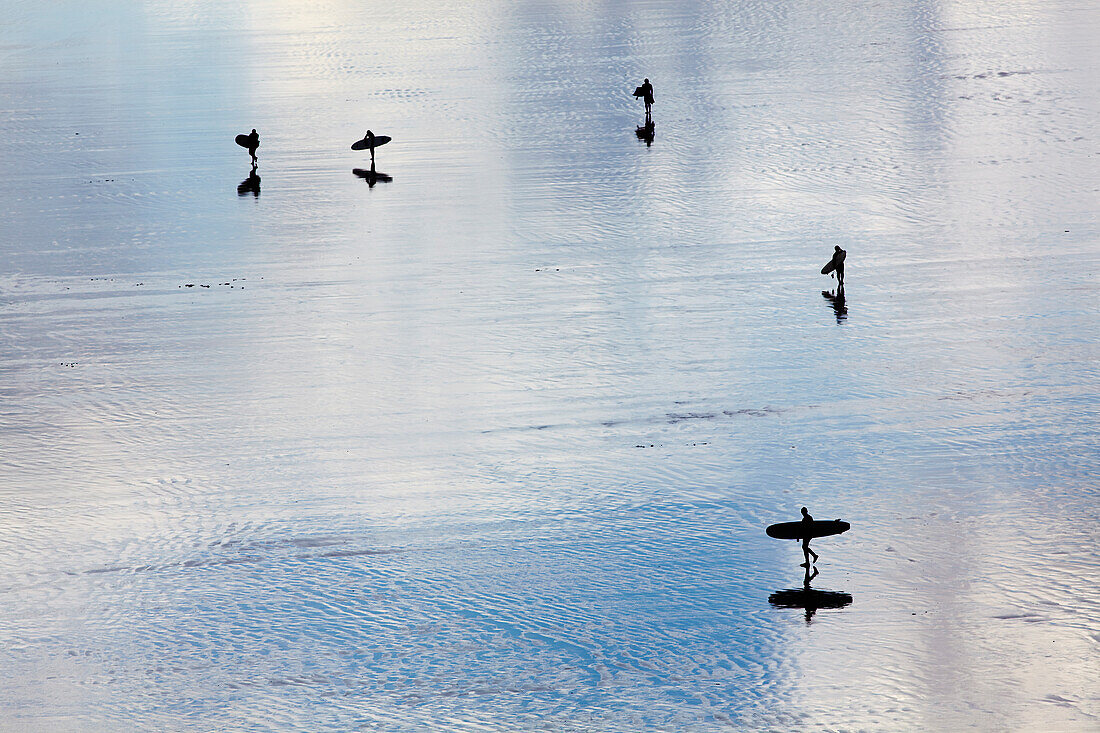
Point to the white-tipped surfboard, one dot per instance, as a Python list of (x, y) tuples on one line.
[(364, 144)]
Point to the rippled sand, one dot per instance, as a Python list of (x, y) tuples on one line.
[(491, 445)]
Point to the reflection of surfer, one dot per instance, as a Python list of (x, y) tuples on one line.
[(250, 185), (808, 598), (372, 176), (839, 303), (253, 143), (808, 592), (807, 533), (807, 579), (836, 264)]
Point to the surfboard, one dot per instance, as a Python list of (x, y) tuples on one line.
[(837, 261), (241, 140), (820, 528), (379, 140), (638, 91)]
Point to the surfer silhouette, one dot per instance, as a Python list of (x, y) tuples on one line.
[(645, 91), (249, 142), (807, 529), (807, 532), (836, 264), (253, 143), (369, 137), (369, 142)]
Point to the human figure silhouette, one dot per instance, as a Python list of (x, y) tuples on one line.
[(807, 530), (369, 137), (253, 143), (836, 264), (646, 93)]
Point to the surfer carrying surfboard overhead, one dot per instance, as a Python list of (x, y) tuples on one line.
[(807, 533)]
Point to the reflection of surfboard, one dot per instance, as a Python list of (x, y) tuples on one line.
[(379, 140), (809, 598), (371, 177), (250, 185), (793, 530), (828, 268)]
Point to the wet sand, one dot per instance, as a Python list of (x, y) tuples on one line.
[(492, 445)]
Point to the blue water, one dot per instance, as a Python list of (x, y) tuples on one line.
[(491, 446)]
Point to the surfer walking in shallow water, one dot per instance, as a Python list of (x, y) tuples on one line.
[(645, 91), (253, 143), (807, 533), (836, 264), (369, 137), (807, 529)]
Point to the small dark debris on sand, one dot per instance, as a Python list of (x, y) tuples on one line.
[(228, 283)]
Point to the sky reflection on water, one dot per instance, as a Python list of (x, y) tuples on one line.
[(492, 445)]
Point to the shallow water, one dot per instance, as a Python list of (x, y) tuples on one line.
[(491, 446)]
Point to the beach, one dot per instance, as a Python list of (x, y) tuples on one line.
[(492, 445)]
